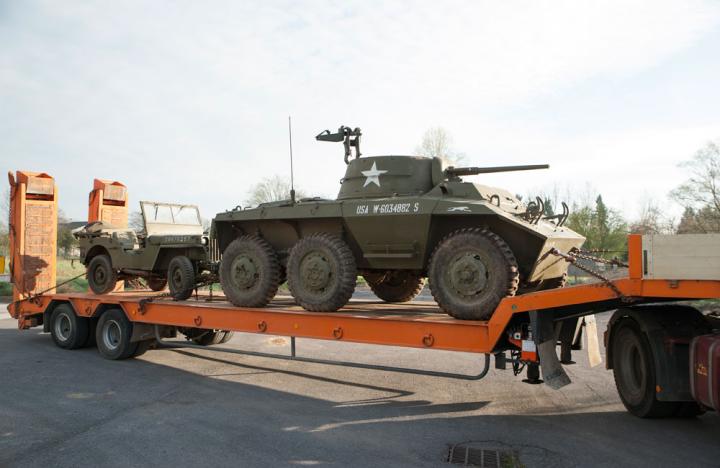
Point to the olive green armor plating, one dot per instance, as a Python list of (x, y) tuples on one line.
[(396, 220)]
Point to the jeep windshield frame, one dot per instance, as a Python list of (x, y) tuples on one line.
[(170, 218)]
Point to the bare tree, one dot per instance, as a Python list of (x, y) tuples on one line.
[(271, 189), (700, 194), (135, 221), (437, 143), (651, 220)]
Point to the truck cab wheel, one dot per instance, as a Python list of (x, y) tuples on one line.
[(634, 372), (470, 272), (181, 277), (101, 276), (321, 273), (113, 335), (249, 272), (67, 329)]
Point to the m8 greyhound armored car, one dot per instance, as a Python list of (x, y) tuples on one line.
[(396, 221)]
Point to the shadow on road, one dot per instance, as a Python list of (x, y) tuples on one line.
[(73, 408)]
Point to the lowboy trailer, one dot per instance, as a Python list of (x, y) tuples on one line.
[(664, 355)]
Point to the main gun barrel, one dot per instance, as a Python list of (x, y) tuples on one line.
[(466, 171)]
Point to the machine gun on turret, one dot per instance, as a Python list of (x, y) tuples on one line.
[(349, 137), (454, 173)]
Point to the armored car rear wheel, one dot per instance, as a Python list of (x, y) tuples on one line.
[(249, 272), (321, 273), (395, 286), (470, 271), (101, 275)]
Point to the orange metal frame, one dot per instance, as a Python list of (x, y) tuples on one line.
[(411, 325)]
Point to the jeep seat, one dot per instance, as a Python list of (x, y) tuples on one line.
[(126, 238)]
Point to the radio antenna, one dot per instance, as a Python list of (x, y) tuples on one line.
[(292, 180)]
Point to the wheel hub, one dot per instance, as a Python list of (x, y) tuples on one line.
[(315, 271), (468, 274), (99, 275), (244, 272), (62, 327), (177, 277), (111, 335)]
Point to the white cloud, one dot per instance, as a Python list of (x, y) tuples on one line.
[(188, 101)]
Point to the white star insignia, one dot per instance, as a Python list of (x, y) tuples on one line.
[(373, 176)]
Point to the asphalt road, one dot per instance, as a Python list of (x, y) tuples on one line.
[(202, 408)]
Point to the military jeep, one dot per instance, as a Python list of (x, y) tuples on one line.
[(171, 250)]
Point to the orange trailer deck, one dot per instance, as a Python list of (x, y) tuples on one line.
[(417, 324)]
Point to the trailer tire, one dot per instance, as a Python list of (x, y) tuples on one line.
[(634, 372), (67, 329), (113, 335), (228, 335)]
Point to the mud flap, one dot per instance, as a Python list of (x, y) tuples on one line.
[(546, 341), (593, 343)]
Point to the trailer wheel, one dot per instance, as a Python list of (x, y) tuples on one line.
[(181, 277), (634, 373), (101, 275), (67, 329), (113, 335)]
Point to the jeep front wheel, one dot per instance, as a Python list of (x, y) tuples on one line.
[(101, 275), (181, 277)]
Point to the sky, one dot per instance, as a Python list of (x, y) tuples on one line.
[(188, 101)]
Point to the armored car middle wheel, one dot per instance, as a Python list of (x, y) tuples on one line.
[(470, 271), (395, 286), (321, 272), (249, 272)]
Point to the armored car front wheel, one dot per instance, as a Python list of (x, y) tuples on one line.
[(470, 271), (321, 273), (249, 272)]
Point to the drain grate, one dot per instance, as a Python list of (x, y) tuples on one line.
[(468, 454)]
